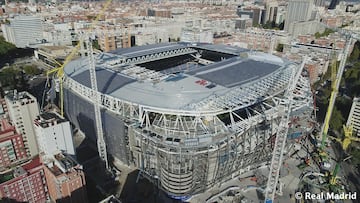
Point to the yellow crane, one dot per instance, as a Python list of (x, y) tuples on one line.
[(348, 137), (59, 71)]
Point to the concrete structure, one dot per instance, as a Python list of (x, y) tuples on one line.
[(298, 11), (47, 54), (189, 116), (54, 134), (23, 109), (272, 8), (354, 116), (23, 31), (257, 14), (12, 147), (65, 179), (196, 35), (164, 13), (25, 184), (306, 28)]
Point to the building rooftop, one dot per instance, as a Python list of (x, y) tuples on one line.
[(18, 96), (47, 119), (60, 164)]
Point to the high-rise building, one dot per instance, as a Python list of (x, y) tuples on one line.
[(320, 3), (271, 11), (23, 109), (53, 134), (65, 179), (23, 31), (298, 11), (12, 147), (333, 4), (354, 116), (26, 183)]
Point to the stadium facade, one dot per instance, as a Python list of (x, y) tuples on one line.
[(187, 115)]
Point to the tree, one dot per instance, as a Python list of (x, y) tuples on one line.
[(31, 70), (280, 48), (5, 46), (337, 120), (354, 56), (95, 44)]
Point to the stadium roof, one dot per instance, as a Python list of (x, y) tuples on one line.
[(181, 89)]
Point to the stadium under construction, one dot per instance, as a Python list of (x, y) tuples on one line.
[(187, 115)]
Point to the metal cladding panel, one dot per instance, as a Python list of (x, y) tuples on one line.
[(115, 136), (213, 66), (108, 81), (240, 73), (81, 113), (147, 49)]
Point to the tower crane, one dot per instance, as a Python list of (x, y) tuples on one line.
[(335, 88), (59, 74), (281, 135), (96, 99)]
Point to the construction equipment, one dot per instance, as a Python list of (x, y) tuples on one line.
[(96, 98), (59, 74), (336, 79), (348, 138), (281, 136)]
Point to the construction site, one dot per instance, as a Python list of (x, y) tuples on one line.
[(190, 116)]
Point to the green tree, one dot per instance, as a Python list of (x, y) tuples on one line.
[(354, 56), (31, 70), (337, 120), (280, 48), (5, 46), (95, 44)]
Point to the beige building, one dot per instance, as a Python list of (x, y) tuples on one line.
[(23, 109)]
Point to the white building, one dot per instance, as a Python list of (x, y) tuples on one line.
[(298, 11), (54, 134), (23, 109), (354, 116), (197, 35), (23, 31)]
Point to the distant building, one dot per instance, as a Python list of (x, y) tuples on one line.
[(298, 11), (197, 35), (319, 3), (65, 179), (110, 42), (25, 184), (305, 28), (256, 14), (164, 13), (333, 4), (23, 31), (354, 116), (271, 11), (23, 109), (54, 134), (12, 147)]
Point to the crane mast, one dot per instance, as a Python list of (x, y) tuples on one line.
[(96, 98), (335, 88), (281, 135)]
